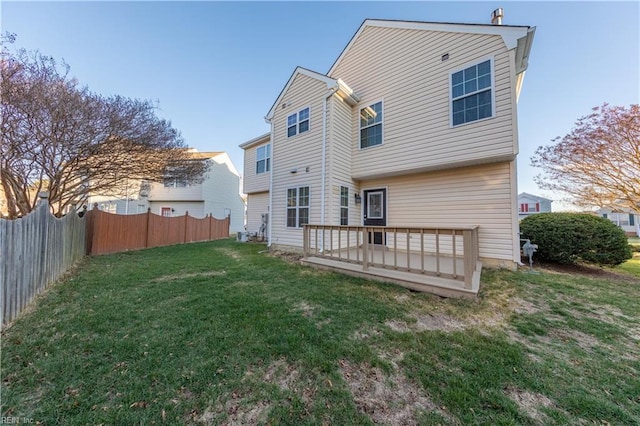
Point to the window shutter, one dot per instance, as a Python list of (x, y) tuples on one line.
[(537, 207), (632, 219)]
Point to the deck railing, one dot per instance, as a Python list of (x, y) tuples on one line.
[(447, 252)]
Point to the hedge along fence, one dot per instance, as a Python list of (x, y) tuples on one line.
[(112, 233), (34, 252)]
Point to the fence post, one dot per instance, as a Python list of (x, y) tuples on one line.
[(146, 237), (186, 221), (210, 225)]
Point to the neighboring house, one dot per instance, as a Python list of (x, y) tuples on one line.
[(218, 194), (529, 204), (131, 198), (626, 219), (414, 125)]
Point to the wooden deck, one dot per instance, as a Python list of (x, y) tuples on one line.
[(452, 272)]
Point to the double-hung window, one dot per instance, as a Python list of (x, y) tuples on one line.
[(263, 159), (371, 125), (297, 206), (298, 122), (472, 93), (344, 205)]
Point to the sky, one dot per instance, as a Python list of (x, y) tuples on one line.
[(215, 68)]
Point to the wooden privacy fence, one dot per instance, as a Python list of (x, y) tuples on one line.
[(112, 233), (34, 252)]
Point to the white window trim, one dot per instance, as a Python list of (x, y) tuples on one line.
[(286, 207), (297, 114), (344, 207), (265, 159), (363, 105), (491, 58)]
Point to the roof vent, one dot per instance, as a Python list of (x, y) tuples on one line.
[(496, 16)]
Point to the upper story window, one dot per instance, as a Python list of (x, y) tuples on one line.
[(371, 125), (174, 183), (472, 93), (298, 122), (263, 159), (529, 208)]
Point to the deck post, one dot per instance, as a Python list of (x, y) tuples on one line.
[(305, 240), (470, 255), (365, 249)]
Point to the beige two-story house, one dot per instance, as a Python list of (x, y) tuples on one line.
[(414, 125)]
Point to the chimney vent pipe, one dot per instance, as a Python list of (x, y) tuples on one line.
[(496, 16)]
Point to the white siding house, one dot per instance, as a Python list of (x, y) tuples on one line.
[(218, 194), (417, 119), (626, 219)]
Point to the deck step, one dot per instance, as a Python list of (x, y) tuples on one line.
[(424, 283)]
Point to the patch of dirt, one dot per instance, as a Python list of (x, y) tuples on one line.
[(322, 323), (530, 403), (306, 309), (521, 306), (177, 277), (401, 297), (392, 400), (286, 256), (287, 378), (439, 322), (229, 252), (237, 411), (583, 340), (282, 374), (364, 334), (586, 270)]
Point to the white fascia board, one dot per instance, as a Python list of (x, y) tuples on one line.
[(330, 82), (255, 141), (510, 34)]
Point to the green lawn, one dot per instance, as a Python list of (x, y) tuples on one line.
[(222, 332)]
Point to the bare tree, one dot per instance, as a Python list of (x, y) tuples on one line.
[(598, 163), (58, 136)]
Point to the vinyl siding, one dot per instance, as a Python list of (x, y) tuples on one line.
[(301, 152), (339, 161), (477, 195), (195, 209), (221, 192), (404, 69), (257, 204), (254, 182), (159, 192)]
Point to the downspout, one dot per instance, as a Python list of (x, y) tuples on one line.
[(269, 227), (332, 91)]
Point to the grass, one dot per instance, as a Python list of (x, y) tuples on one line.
[(222, 332), (631, 266)]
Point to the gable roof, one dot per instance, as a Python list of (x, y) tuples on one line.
[(514, 36), (533, 197), (338, 85), (204, 155), (255, 141)]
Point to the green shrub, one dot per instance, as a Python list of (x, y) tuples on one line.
[(574, 237)]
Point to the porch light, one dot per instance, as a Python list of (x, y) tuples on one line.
[(358, 198)]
